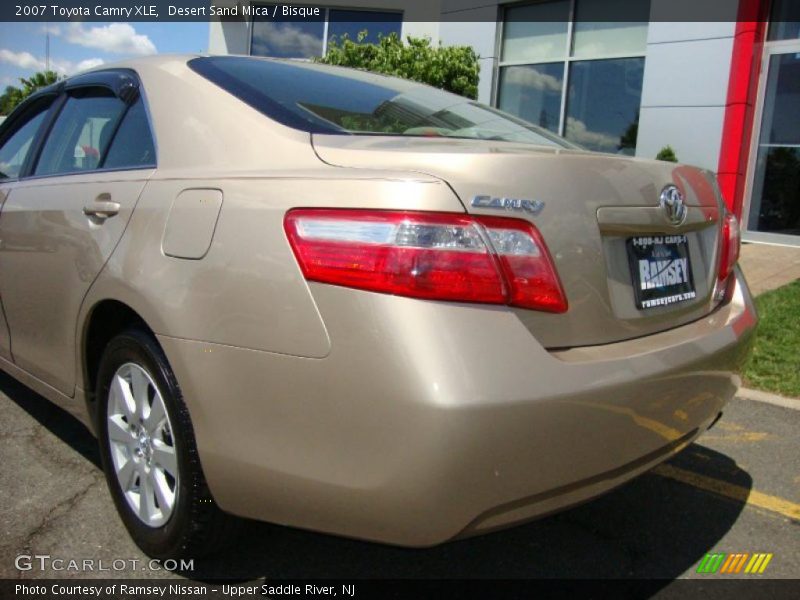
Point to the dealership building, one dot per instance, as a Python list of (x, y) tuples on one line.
[(723, 93)]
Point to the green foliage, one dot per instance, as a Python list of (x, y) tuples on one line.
[(13, 96), (451, 68), (667, 154), (775, 362), (10, 99)]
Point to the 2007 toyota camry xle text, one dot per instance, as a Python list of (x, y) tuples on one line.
[(341, 301)]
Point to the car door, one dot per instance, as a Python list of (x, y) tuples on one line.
[(16, 141), (61, 222)]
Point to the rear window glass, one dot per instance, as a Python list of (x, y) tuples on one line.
[(323, 99)]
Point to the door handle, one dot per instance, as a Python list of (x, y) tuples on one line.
[(101, 209)]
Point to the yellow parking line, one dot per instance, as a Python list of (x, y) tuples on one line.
[(729, 490)]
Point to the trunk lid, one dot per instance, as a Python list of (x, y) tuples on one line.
[(593, 204)]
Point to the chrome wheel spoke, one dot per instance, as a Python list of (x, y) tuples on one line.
[(156, 415), (122, 397), (127, 475), (119, 431), (139, 389), (164, 495), (146, 505), (164, 457)]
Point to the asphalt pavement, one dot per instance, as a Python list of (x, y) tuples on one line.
[(735, 491)]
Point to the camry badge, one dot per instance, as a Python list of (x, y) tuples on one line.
[(533, 207), (671, 203)]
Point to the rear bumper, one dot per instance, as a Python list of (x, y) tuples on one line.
[(429, 420)]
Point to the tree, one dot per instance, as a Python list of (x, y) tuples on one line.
[(667, 154), (38, 81), (10, 99), (451, 68), (13, 96)]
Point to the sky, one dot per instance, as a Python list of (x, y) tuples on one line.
[(75, 46)]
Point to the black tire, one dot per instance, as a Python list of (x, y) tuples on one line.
[(197, 526)]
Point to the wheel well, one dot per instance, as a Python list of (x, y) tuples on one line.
[(108, 319)]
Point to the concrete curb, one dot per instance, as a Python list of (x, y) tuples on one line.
[(766, 397)]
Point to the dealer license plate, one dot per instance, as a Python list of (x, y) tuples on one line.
[(661, 270)]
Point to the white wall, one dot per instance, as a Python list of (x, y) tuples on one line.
[(476, 27), (685, 89)]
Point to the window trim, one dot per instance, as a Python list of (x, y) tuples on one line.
[(118, 81), (568, 59)]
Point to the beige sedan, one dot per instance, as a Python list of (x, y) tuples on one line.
[(346, 302)]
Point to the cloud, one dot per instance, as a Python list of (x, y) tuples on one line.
[(529, 77), (89, 63), (67, 67), (26, 60), (119, 38), (23, 60), (578, 132), (285, 39)]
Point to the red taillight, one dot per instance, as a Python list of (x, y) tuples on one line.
[(527, 266), (730, 243), (438, 256)]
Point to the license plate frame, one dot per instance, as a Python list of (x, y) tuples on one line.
[(661, 270)]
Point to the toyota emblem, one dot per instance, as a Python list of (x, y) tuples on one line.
[(672, 204)]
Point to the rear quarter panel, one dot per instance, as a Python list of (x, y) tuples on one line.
[(247, 290)]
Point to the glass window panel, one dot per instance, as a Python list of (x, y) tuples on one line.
[(781, 120), (533, 93), (775, 205), (16, 147), (603, 102), (132, 145), (594, 36), (81, 133), (352, 22), (785, 17), (288, 39), (313, 98), (536, 33)]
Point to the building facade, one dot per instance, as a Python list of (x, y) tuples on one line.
[(723, 94)]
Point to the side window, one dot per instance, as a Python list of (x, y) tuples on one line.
[(132, 146), (15, 146), (81, 134)]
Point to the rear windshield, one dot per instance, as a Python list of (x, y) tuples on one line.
[(323, 99)]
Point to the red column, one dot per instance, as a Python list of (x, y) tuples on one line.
[(737, 129)]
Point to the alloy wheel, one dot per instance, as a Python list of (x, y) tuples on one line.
[(142, 445)]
